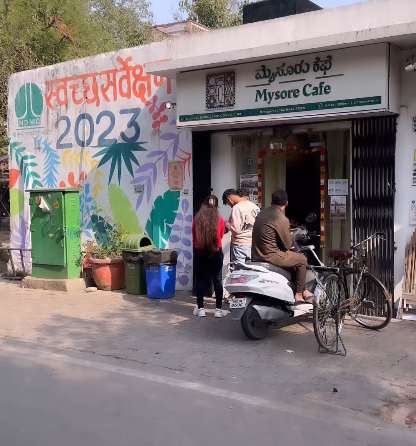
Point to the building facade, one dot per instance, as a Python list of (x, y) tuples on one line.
[(319, 104)]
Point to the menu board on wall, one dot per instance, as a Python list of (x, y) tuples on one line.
[(250, 182), (338, 187), (175, 175)]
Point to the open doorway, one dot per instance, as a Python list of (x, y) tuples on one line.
[(305, 163)]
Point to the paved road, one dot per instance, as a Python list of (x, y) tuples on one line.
[(165, 336), (50, 397)]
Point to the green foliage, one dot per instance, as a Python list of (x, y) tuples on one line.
[(162, 217), (31, 38), (109, 246), (125, 22), (212, 13), (122, 211)]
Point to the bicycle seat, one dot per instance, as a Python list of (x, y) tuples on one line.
[(339, 254)]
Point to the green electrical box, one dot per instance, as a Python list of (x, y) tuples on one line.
[(56, 233)]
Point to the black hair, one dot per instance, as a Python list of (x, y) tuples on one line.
[(243, 192), (279, 197), (227, 193)]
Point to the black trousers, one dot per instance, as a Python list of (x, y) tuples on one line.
[(208, 268)]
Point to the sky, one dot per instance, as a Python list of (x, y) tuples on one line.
[(162, 9)]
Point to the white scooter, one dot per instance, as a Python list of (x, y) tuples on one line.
[(263, 294)]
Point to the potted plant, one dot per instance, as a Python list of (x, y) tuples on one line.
[(107, 263)]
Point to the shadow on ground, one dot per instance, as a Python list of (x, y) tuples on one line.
[(164, 334)]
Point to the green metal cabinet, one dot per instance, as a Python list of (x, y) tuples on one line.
[(56, 233)]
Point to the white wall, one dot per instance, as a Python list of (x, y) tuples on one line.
[(223, 176), (101, 124), (405, 156)]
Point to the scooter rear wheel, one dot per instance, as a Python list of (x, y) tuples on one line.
[(251, 323)]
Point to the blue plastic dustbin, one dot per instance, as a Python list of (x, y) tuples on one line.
[(161, 280)]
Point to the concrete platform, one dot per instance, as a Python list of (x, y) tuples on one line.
[(66, 285)]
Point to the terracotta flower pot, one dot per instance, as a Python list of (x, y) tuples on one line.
[(108, 274)]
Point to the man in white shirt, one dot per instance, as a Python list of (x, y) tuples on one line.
[(241, 223)]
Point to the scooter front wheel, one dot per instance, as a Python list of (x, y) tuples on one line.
[(251, 323)]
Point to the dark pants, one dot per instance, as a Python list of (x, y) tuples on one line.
[(298, 262), (208, 268)]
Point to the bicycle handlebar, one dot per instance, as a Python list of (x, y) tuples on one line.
[(378, 235)]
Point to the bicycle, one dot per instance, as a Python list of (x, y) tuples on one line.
[(352, 290)]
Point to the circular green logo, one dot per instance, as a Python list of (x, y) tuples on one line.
[(28, 105)]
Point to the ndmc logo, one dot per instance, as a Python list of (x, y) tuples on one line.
[(29, 106)]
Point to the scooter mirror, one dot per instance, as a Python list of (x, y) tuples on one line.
[(310, 218)]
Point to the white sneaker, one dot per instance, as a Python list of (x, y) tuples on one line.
[(220, 313), (200, 312)]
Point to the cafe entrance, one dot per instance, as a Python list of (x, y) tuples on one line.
[(313, 165)]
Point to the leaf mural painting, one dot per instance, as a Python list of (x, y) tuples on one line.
[(162, 217), (17, 202), (51, 164), (123, 213), (26, 163), (182, 238), (118, 152)]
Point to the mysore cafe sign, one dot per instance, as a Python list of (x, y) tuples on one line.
[(284, 73), (340, 81)]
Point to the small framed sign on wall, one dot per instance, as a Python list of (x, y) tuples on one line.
[(175, 175)]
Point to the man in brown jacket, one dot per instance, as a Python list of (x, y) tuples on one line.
[(272, 242)]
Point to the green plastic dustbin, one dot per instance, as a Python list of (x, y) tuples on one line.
[(133, 247)]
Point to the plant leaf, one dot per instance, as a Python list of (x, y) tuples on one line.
[(187, 254), (122, 211), (165, 164), (149, 189), (183, 280), (154, 176), (154, 154), (169, 136), (17, 202), (185, 205), (112, 168), (162, 217), (127, 162), (115, 152), (119, 166), (139, 201), (145, 167), (186, 242), (139, 180)]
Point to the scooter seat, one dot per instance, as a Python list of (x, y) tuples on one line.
[(273, 268)]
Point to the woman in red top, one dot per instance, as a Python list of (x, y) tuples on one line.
[(208, 229)]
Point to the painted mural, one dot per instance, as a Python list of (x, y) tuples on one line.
[(101, 124)]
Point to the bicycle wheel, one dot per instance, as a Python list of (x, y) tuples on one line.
[(326, 315), (373, 308)]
